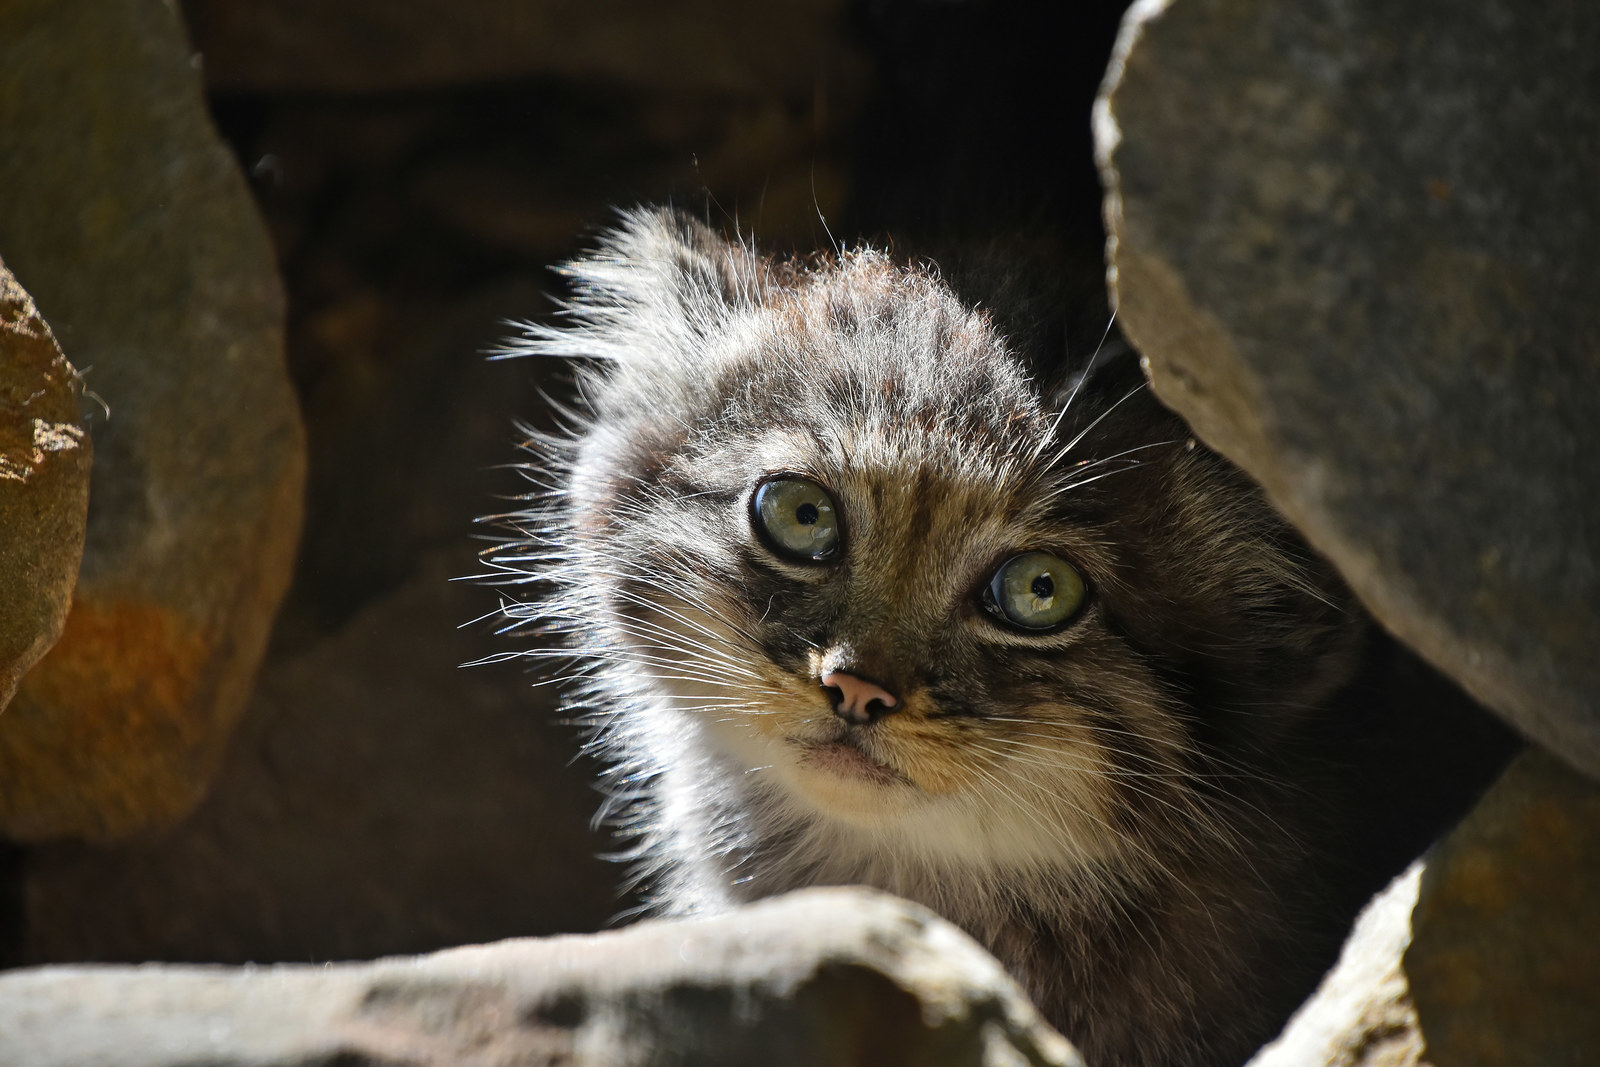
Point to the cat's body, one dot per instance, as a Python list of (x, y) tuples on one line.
[(1123, 789)]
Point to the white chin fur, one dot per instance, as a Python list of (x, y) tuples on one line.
[(869, 822)]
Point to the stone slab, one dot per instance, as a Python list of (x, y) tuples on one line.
[(1354, 240), (828, 976)]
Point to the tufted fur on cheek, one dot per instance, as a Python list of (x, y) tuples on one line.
[(1113, 804)]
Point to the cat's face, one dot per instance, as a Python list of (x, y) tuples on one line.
[(825, 519)]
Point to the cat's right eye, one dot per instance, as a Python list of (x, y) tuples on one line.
[(797, 518), (1035, 591)]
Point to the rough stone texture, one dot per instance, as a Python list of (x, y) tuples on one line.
[(137, 237), (377, 799), (1361, 1015), (1505, 956), (831, 976), (45, 455), (1355, 241), (724, 46)]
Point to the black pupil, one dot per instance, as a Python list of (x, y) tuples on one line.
[(806, 514), (1044, 587)]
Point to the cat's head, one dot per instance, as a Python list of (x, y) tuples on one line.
[(904, 580)]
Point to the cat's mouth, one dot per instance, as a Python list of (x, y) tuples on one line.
[(848, 761)]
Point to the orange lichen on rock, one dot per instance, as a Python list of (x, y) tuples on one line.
[(110, 728)]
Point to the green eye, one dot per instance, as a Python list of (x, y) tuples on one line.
[(798, 517), (1036, 591)]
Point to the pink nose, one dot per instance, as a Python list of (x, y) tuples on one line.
[(858, 697)]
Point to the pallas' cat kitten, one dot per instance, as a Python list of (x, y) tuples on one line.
[(860, 595)]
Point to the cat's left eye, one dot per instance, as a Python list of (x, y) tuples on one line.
[(1035, 591), (798, 518)]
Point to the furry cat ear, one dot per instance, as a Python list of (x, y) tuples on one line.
[(659, 281)]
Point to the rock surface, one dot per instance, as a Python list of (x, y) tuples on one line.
[(1504, 961), (831, 976), (138, 239), (45, 455), (376, 799), (1354, 241)]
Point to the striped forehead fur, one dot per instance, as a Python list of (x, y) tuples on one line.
[(678, 323)]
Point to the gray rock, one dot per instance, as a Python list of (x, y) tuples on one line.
[(45, 455), (1354, 239), (829, 976), (137, 237)]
